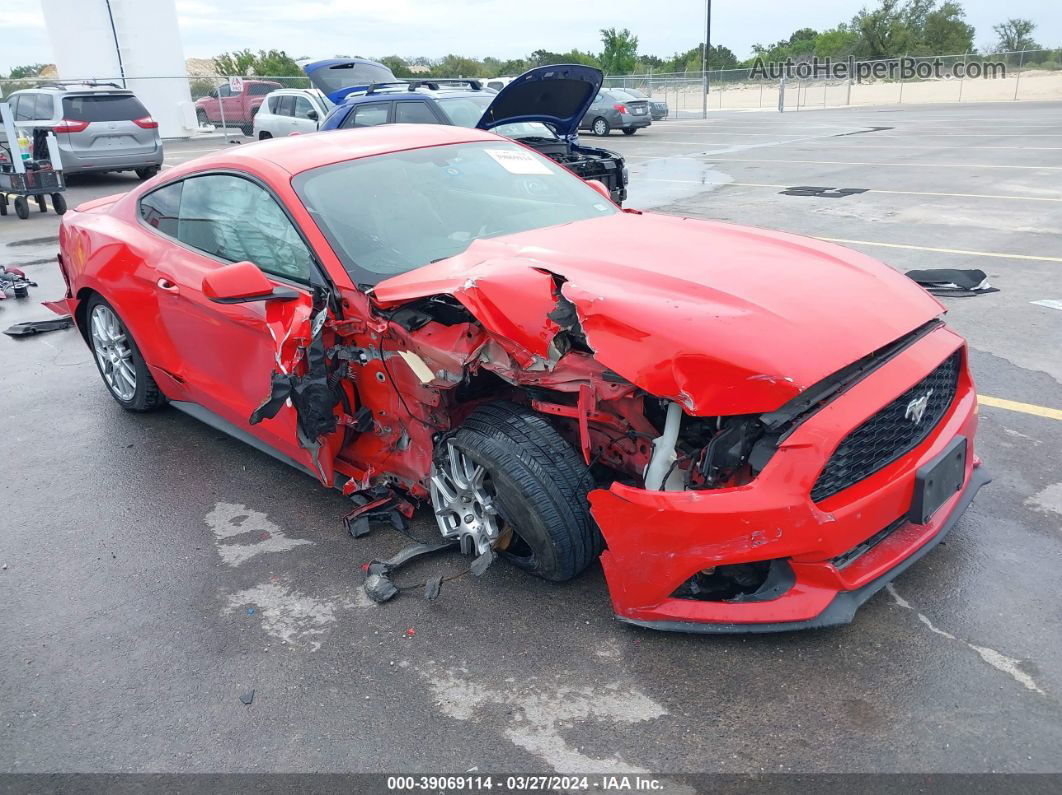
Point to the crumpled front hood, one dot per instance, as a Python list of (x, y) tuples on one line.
[(725, 319)]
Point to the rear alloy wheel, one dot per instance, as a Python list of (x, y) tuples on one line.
[(600, 126), (507, 480), (147, 173), (119, 361)]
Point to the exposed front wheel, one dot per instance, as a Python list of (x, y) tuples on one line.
[(600, 126), (507, 480), (119, 361)]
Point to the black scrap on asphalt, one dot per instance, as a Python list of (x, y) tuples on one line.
[(953, 282), (822, 192), (31, 327), (862, 132)]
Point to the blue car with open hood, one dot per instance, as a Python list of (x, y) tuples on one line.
[(541, 108)]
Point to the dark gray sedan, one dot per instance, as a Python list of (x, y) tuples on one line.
[(616, 109), (657, 108)]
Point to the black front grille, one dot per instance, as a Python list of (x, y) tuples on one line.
[(891, 432)]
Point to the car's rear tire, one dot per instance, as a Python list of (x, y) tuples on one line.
[(535, 482), (121, 365), (264, 136), (600, 126), (630, 130), (147, 173)]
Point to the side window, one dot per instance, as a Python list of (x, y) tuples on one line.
[(160, 208), (302, 107), (258, 90), (286, 105), (271, 104), (495, 84), (235, 219), (368, 115), (24, 105), (414, 113), (224, 90), (45, 107)]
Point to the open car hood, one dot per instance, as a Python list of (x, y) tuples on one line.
[(557, 95), (338, 77), (724, 319)]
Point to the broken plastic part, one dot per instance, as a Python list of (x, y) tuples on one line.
[(664, 449)]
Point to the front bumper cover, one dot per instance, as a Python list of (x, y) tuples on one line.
[(844, 605), (656, 541)]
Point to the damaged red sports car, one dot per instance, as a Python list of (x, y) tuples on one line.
[(753, 431)]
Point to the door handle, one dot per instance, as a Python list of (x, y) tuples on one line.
[(168, 286)]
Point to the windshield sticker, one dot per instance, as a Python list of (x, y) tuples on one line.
[(517, 162)]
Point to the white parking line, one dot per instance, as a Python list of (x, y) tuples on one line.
[(871, 163), (964, 252)]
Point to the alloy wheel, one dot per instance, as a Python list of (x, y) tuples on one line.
[(462, 495), (111, 345)]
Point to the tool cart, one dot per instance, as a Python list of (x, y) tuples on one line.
[(30, 168)]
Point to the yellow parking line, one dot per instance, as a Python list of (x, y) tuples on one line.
[(1024, 408), (941, 250)]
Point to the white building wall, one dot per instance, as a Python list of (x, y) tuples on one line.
[(149, 42)]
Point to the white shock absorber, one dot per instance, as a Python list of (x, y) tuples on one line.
[(664, 449)]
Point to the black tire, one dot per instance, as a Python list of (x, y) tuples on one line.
[(540, 484), (42, 203), (202, 118), (147, 173), (630, 131), (264, 136), (21, 207), (247, 129), (147, 396), (600, 126), (58, 203)]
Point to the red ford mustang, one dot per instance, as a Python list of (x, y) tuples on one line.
[(754, 431)]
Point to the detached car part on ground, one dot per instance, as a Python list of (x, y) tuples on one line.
[(753, 431), (541, 109)]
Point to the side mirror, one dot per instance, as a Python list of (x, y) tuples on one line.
[(600, 187), (312, 115), (241, 283)]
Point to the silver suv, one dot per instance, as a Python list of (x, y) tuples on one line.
[(98, 127)]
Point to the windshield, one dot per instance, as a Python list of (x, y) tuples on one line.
[(392, 213), (467, 111), (103, 107), (336, 78)]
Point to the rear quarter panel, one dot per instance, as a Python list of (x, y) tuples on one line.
[(105, 253)]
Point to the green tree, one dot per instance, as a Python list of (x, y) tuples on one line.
[(1014, 34), (264, 63), (457, 66), (397, 65), (620, 51), (884, 32), (28, 70), (945, 31)]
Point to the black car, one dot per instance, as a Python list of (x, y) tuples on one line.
[(541, 108)]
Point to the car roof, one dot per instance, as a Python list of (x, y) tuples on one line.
[(77, 88), (387, 94), (299, 153)]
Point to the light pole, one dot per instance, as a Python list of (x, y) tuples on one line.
[(704, 55)]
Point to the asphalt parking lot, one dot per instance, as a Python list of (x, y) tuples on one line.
[(155, 570)]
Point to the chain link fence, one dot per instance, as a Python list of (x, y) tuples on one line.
[(971, 77), (200, 104)]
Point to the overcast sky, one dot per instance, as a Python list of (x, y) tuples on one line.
[(502, 28)]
